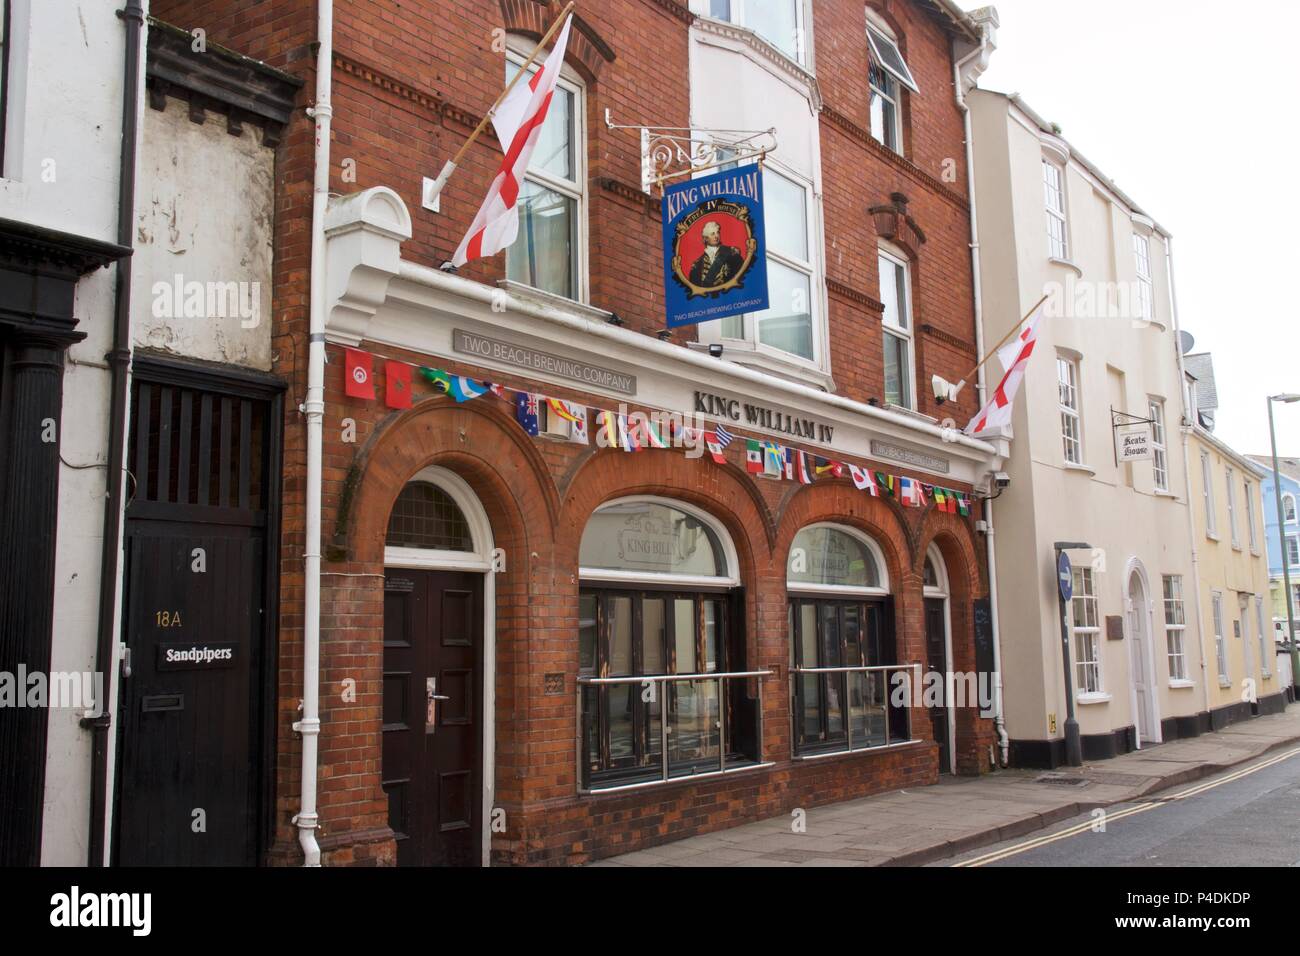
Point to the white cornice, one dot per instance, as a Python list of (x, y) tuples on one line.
[(750, 44)]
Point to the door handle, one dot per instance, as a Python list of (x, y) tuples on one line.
[(431, 698)]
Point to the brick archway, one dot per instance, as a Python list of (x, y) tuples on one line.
[(839, 502), (724, 492), (953, 538), (505, 470)]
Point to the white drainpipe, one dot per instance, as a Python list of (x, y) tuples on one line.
[(314, 409), (983, 52), (1189, 415)]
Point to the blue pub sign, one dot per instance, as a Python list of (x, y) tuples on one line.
[(715, 252)]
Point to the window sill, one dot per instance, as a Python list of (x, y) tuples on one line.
[(1066, 264), (1095, 698), (684, 779), (1211, 536), (551, 298), (1224, 683), (910, 412), (1165, 494), (1082, 469), (742, 352), (1181, 684), (856, 751)]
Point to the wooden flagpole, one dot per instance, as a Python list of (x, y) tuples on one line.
[(1014, 329), (450, 166)]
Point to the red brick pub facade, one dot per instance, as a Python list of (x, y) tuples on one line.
[(460, 640)]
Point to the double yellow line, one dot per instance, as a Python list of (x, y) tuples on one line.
[(1112, 816)]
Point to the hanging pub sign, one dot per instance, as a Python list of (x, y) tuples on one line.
[(715, 252), (1132, 444)]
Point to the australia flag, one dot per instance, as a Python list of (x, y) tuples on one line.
[(526, 411)]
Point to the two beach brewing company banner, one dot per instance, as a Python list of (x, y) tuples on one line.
[(715, 251)]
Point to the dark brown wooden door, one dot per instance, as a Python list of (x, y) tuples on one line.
[(936, 652), (433, 715)]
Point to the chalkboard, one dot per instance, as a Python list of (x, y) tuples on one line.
[(983, 618)]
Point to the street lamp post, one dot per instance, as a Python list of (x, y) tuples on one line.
[(1064, 591), (1286, 399)]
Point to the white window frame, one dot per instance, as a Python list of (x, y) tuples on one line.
[(736, 17), (1265, 652), (576, 190), (1068, 404), (1220, 644), (748, 342), (1159, 451), (1288, 508), (1252, 519), (1293, 550), (890, 93), (846, 590), (1146, 285), (880, 38), (1175, 627), (1086, 635), (729, 579), (907, 312), (1057, 211), (1231, 485), (1207, 494)]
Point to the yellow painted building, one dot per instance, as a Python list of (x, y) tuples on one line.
[(1232, 586)]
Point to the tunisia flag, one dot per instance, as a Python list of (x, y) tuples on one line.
[(358, 381), (397, 384)]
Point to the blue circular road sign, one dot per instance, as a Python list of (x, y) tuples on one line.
[(1064, 576)]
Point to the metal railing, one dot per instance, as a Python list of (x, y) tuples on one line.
[(868, 681), (700, 732)]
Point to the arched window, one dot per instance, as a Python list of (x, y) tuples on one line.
[(660, 628), (841, 643), (938, 654), (936, 574), (1288, 508), (425, 516)]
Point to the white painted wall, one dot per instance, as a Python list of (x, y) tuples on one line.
[(1115, 509), (61, 172), (205, 213)]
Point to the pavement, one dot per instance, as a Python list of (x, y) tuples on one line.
[(916, 826)]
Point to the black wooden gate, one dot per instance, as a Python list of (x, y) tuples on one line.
[(195, 735)]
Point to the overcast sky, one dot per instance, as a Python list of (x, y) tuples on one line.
[(1197, 122)]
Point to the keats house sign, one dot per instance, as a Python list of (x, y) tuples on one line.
[(715, 252), (763, 416)]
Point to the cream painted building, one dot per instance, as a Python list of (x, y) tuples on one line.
[(1241, 674), (1107, 353)]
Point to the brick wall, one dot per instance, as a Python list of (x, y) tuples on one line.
[(410, 81)]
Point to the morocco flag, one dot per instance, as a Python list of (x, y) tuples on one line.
[(397, 384), (1014, 357), (518, 123)]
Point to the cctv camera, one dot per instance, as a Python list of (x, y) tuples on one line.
[(715, 350), (1002, 479)]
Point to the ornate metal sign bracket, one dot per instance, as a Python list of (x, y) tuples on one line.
[(670, 152)]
